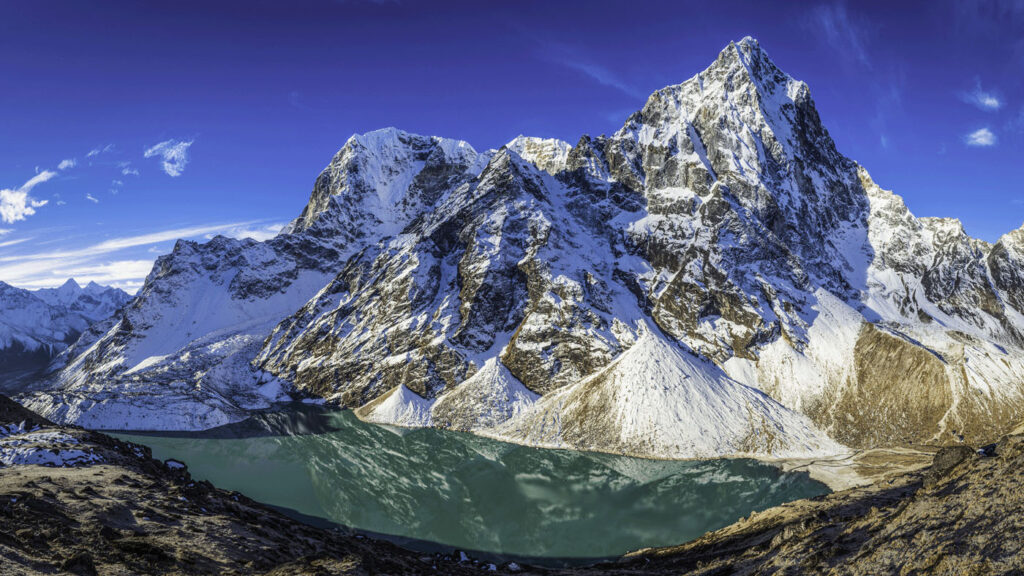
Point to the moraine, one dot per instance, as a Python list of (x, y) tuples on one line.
[(472, 493)]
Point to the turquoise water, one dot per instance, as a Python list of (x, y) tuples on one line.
[(473, 493)]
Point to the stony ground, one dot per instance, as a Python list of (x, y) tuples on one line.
[(130, 514), (963, 515)]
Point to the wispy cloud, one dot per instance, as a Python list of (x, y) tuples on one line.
[(173, 155), (983, 99), (116, 244), (296, 100), (841, 30), (14, 242), (114, 262), (574, 59), (981, 137), (986, 18), (601, 75), (92, 199), (127, 170), (16, 204), (1016, 124), (67, 164), (258, 233), (99, 150)]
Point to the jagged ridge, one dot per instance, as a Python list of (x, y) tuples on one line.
[(721, 213)]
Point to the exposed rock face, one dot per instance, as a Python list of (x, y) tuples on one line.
[(35, 326), (798, 297)]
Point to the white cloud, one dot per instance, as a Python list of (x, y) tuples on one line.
[(258, 233), (127, 170), (100, 150), (983, 99), (173, 154), (92, 198), (67, 163), (981, 137), (37, 179), (7, 243), (16, 205)]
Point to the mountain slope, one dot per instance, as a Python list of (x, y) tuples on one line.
[(719, 232), (654, 400), (35, 326), (180, 355)]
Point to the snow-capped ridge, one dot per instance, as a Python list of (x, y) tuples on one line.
[(551, 293), (35, 326)]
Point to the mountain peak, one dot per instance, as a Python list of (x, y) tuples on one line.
[(748, 46), (380, 181), (70, 284), (747, 58)]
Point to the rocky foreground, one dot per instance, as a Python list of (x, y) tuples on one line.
[(74, 501), (84, 503)]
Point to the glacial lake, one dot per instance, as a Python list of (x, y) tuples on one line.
[(425, 487)]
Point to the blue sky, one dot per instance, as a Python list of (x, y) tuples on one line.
[(125, 125)]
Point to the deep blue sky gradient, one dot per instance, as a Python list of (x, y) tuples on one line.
[(268, 92)]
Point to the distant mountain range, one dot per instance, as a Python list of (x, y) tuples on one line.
[(35, 326), (713, 279)]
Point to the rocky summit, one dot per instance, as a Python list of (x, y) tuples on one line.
[(713, 279)]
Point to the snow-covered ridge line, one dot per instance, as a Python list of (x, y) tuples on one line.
[(36, 325), (715, 278)]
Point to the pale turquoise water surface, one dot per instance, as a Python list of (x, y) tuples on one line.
[(472, 493)]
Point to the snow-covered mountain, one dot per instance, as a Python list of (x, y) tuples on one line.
[(37, 325), (715, 278)]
